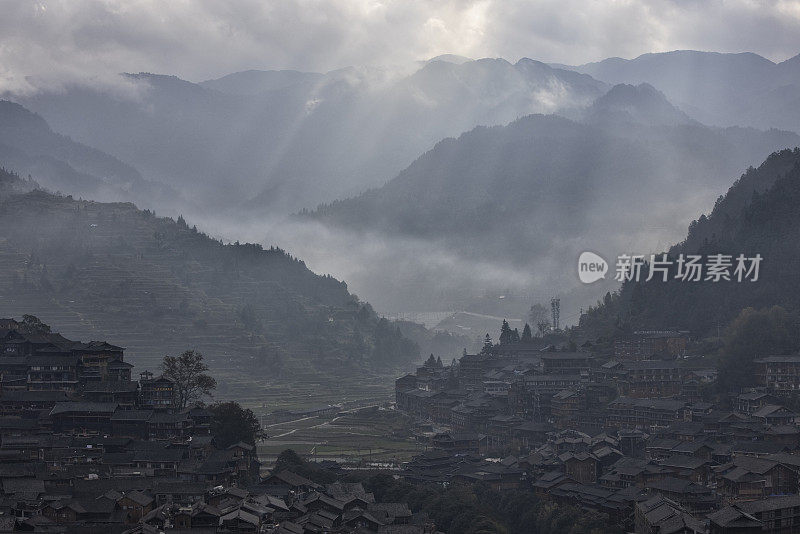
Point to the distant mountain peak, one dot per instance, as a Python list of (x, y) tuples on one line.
[(450, 58), (625, 93), (641, 103), (533, 64)]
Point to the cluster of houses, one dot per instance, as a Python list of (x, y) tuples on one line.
[(629, 435), (85, 449)]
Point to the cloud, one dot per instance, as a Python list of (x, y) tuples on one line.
[(59, 41)]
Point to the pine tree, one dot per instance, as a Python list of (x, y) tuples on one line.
[(527, 336), (506, 336)]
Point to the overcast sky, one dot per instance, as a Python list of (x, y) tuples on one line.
[(197, 40)]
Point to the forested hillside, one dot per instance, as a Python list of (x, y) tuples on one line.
[(158, 286), (758, 215)]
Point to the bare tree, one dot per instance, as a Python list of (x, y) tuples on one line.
[(543, 327), (539, 316), (189, 374)]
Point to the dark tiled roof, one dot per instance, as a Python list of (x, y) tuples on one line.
[(22, 485), (156, 455), (775, 503), (97, 346), (168, 418), (33, 396), (293, 479), (111, 387), (93, 407), (139, 497), (53, 360), (650, 364), (728, 516), (778, 359), (132, 415)]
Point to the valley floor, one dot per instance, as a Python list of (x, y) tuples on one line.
[(371, 435)]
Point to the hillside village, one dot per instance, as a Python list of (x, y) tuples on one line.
[(84, 448), (633, 434), (627, 431)]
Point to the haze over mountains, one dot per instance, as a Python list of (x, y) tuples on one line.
[(435, 224), (294, 139), (718, 89), (538, 192), (29, 146)]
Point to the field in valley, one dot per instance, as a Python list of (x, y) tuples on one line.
[(372, 434)]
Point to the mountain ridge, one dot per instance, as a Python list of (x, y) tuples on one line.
[(29, 146), (98, 269), (355, 128), (721, 89)]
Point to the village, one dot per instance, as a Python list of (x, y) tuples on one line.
[(86, 449), (632, 435)]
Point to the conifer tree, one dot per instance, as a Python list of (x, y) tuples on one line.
[(506, 335), (527, 336)]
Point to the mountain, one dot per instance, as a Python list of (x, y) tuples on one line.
[(254, 82), (529, 197), (158, 286), (640, 104), (758, 215), (720, 89), (274, 142), (451, 58), (279, 141), (29, 146)]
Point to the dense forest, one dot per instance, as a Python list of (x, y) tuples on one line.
[(758, 215), (157, 285)]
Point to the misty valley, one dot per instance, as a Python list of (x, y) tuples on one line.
[(400, 295)]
